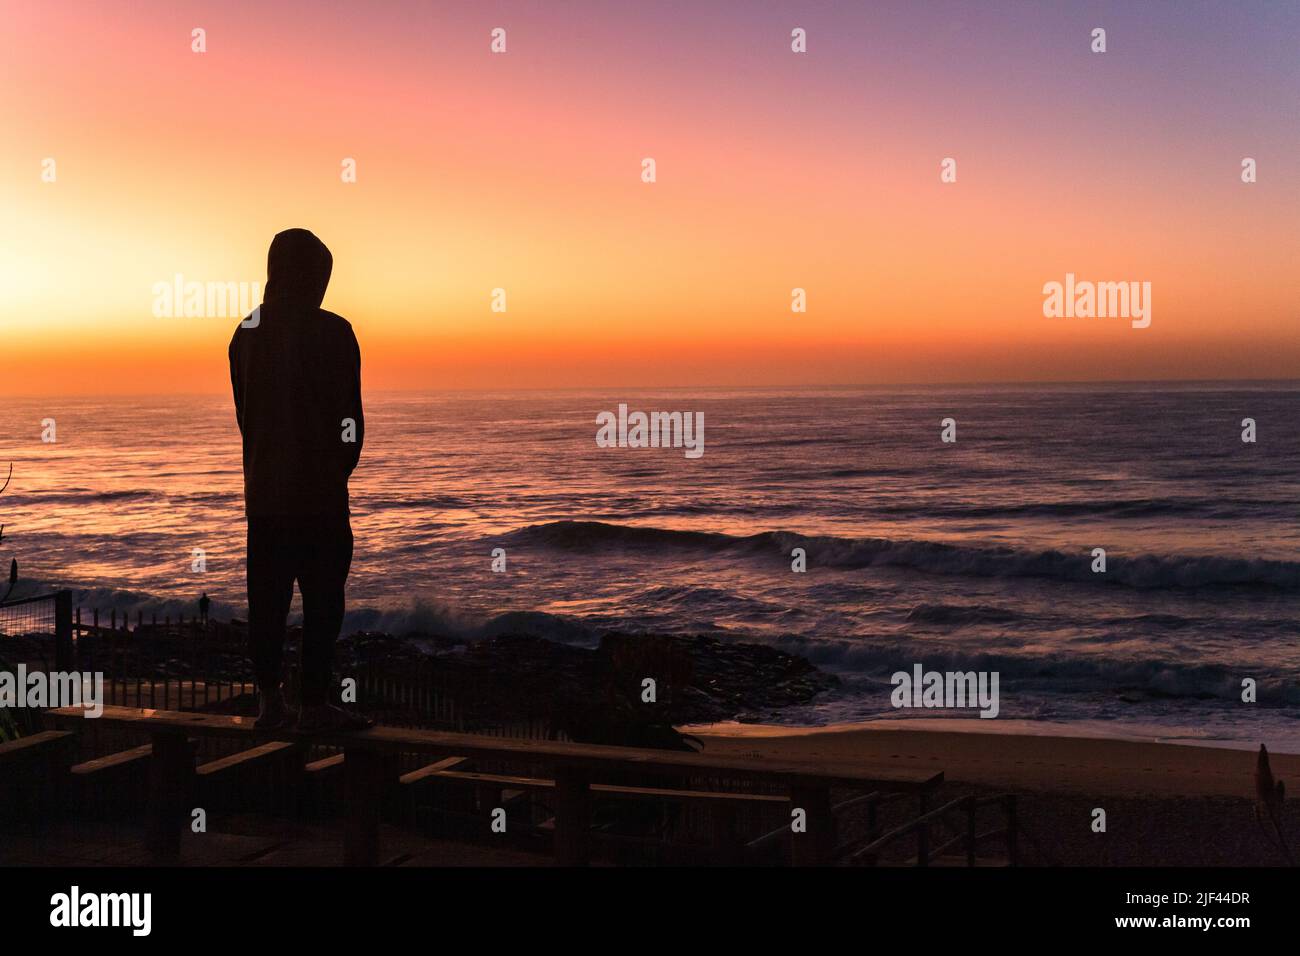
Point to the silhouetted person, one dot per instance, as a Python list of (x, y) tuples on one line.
[(296, 373), (205, 602)]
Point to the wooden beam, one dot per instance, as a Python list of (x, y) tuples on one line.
[(171, 778), (672, 795), (593, 757), (429, 771), (572, 816), (110, 762), (283, 762), (364, 780), (686, 796), (33, 746), (274, 749), (321, 780), (325, 765)]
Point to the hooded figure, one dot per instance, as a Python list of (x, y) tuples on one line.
[(296, 373)]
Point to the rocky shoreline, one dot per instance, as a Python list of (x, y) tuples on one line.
[(629, 689)]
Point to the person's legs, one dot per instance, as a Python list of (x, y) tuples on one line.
[(270, 590), (326, 561)]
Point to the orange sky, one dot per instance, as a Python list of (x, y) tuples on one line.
[(776, 170)]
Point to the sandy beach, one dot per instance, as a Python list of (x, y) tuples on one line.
[(1166, 804), (1016, 761)]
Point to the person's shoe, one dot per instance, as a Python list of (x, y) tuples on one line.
[(272, 712), (320, 718)]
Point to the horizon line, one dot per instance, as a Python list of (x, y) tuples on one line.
[(1002, 383)]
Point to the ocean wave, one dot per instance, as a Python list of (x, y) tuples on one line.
[(76, 496), (870, 663), (932, 557), (962, 614), (1222, 624), (374, 504), (424, 617), (414, 617), (87, 496), (1123, 508)]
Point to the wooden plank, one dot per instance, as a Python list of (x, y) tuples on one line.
[(610, 790), (34, 745), (324, 765), (824, 771), (686, 796), (121, 758), (430, 770), (321, 785), (497, 779), (274, 749), (278, 788)]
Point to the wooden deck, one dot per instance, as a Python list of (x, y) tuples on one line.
[(558, 753), (574, 772)]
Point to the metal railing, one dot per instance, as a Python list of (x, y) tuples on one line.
[(42, 615)]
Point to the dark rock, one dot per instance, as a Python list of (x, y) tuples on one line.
[(598, 695)]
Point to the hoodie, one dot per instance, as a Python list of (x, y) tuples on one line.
[(296, 373)]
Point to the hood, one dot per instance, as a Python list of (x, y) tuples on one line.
[(297, 269)]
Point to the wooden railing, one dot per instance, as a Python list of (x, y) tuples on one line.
[(965, 835)]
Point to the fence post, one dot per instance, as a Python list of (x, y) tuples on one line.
[(63, 648)]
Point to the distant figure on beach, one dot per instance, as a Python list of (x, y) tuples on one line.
[(205, 602), (296, 373)]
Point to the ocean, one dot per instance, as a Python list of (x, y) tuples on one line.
[(976, 554)]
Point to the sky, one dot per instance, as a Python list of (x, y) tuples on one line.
[(775, 170)]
